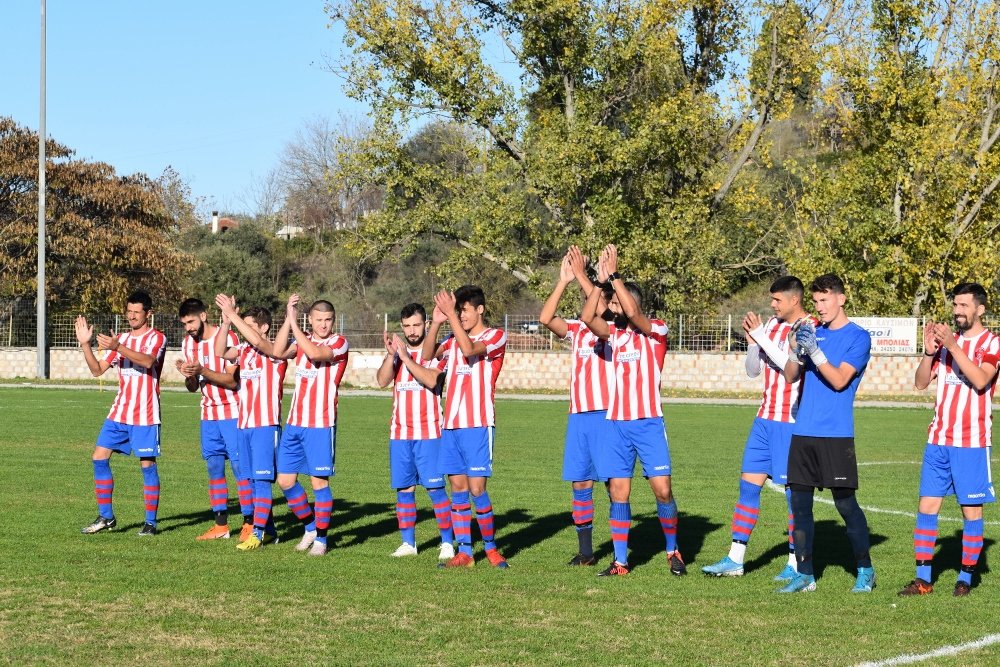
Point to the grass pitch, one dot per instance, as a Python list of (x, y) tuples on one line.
[(114, 598)]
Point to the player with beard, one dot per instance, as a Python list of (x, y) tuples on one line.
[(766, 451), (591, 381), (215, 378), (639, 345), (830, 363), (133, 425), (415, 432), (957, 456)]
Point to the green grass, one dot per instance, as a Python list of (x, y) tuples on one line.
[(116, 598)]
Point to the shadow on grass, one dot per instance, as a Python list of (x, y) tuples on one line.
[(832, 548), (646, 540), (949, 557)]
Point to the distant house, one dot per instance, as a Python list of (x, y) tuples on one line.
[(222, 225), (289, 232)]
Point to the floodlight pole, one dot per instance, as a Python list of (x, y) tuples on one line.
[(41, 347)]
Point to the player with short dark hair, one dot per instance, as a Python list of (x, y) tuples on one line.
[(471, 358), (766, 451), (133, 425), (209, 373), (308, 444), (830, 363), (591, 382), (415, 432), (959, 439), (639, 345), (260, 376)]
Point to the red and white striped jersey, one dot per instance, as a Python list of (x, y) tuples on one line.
[(216, 402), (261, 387), (780, 401), (963, 415), (138, 399), (314, 403), (416, 410), (638, 363), (471, 382), (593, 375)]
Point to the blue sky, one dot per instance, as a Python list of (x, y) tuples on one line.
[(214, 88)]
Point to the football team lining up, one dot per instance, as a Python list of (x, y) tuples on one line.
[(802, 436)]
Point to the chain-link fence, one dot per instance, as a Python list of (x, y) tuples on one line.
[(687, 333)]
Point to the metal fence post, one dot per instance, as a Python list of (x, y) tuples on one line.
[(385, 322), (680, 332), (729, 333)]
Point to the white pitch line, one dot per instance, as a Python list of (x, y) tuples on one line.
[(889, 463), (942, 652), (878, 510)]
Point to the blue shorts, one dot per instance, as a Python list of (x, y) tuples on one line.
[(257, 446), (218, 438), (645, 439), (960, 471), (143, 441), (767, 447), (586, 436), (414, 462), (467, 451), (310, 451)]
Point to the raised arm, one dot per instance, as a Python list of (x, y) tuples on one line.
[(759, 338), (630, 308), (925, 369), (386, 372), (980, 376), (589, 315), (221, 341), (228, 307), (548, 317), (754, 364), (445, 301), (316, 353), (282, 348), (837, 377), (84, 334), (431, 348)]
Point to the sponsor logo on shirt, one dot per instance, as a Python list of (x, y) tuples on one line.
[(954, 378), (629, 356), (411, 385), (463, 369), (306, 372), (250, 374)]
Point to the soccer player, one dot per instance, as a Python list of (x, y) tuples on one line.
[(471, 357), (831, 360), (209, 373), (766, 451), (308, 444), (591, 380), (258, 429), (957, 455), (639, 345), (415, 433), (133, 425)]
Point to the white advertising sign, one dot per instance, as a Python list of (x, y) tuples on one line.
[(891, 335)]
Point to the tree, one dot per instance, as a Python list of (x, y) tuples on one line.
[(906, 205), (105, 234), (618, 133)]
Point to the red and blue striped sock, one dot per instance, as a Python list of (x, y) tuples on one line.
[(484, 518), (583, 519), (745, 515), (262, 501), (151, 492), (461, 521), (297, 501), (924, 540), (668, 522), (245, 490), (218, 493), (620, 522), (104, 487), (442, 513), (323, 506), (972, 546), (406, 516)]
